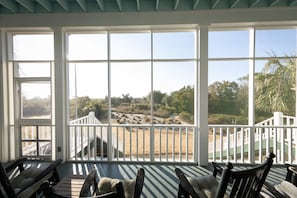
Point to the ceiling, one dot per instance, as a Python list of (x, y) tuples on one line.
[(100, 6)]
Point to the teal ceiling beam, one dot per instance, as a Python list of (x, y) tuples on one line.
[(273, 3), (46, 4), (253, 3), (214, 3), (157, 4), (82, 4), (138, 5), (100, 4), (119, 3), (195, 4), (64, 4), (10, 5), (234, 3), (292, 2), (28, 4), (176, 4)]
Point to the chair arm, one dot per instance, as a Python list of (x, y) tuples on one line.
[(270, 188), (17, 163), (291, 174), (217, 169)]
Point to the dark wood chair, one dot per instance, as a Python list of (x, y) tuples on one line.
[(233, 183), (27, 181)]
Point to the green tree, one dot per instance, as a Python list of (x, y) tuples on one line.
[(275, 86)]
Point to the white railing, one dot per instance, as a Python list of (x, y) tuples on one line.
[(130, 142), (90, 140), (250, 144)]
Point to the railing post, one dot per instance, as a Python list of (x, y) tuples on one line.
[(278, 135)]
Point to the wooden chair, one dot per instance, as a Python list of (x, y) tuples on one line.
[(233, 183), (27, 182), (92, 186)]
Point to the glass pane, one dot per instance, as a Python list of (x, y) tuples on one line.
[(33, 47), (44, 132), (45, 148), (130, 46), (36, 100), (174, 92), (228, 92), (275, 43), (87, 47), (275, 86), (130, 86), (88, 87), (32, 70), (29, 148), (29, 133), (174, 45), (228, 44)]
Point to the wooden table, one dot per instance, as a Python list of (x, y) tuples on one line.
[(69, 186)]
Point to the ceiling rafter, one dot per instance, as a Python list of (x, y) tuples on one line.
[(233, 3), (138, 5), (64, 4), (214, 3), (100, 4), (292, 2), (28, 4), (46, 4), (195, 4), (119, 3), (82, 4), (10, 5), (176, 4), (253, 3), (273, 2), (157, 4)]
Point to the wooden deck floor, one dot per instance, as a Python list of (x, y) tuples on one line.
[(160, 180)]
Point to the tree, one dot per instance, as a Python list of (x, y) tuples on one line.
[(275, 86)]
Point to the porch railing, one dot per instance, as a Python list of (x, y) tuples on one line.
[(91, 140)]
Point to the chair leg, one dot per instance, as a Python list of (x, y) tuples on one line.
[(182, 193)]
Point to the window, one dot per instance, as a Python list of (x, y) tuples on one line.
[(31, 65)]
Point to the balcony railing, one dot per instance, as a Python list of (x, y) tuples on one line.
[(90, 140)]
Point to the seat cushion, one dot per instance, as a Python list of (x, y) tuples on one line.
[(206, 184), (287, 189), (107, 184)]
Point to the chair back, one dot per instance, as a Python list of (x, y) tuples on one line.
[(244, 183), (5, 182), (139, 183)]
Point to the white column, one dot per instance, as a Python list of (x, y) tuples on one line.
[(60, 117), (251, 101), (202, 98)]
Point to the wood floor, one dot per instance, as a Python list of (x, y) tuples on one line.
[(160, 179)]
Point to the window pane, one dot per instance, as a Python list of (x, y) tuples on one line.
[(275, 43), (228, 44), (87, 47), (174, 45), (32, 70), (36, 100), (87, 90), (33, 47), (228, 92), (130, 86), (174, 91), (275, 81), (130, 46)]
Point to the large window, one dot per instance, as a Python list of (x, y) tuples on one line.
[(31, 65)]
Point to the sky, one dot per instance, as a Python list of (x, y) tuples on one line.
[(134, 78)]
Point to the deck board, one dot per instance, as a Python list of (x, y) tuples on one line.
[(160, 179)]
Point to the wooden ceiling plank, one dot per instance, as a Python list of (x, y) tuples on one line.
[(82, 4), (176, 4), (100, 4), (119, 3), (195, 4)]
